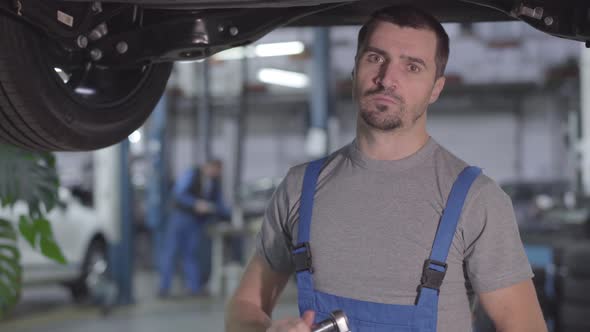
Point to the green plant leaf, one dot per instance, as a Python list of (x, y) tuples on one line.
[(10, 270), (38, 233), (27, 230), (42, 228), (50, 249), (6, 230), (28, 176)]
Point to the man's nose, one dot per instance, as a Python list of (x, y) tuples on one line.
[(388, 76)]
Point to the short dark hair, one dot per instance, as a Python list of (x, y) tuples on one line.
[(407, 16)]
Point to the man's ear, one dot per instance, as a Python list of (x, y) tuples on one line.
[(439, 84)]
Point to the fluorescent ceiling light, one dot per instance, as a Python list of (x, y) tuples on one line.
[(135, 137), (283, 78), (235, 53), (262, 50), (279, 49)]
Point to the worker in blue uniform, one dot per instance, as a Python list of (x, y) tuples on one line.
[(197, 202)]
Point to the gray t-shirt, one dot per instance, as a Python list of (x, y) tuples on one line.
[(374, 223)]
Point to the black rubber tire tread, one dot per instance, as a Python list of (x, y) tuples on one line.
[(567, 328), (574, 317), (78, 288), (576, 291), (576, 261), (37, 113)]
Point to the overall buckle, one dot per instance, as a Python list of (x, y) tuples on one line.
[(302, 259), (432, 278)]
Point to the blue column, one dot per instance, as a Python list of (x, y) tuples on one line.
[(320, 93), (122, 252), (204, 112), (320, 78), (157, 181)]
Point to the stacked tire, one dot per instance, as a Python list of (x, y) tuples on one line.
[(574, 290)]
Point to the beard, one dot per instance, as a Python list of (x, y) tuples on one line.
[(378, 118), (386, 117)]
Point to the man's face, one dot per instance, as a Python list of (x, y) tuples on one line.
[(394, 78), (212, 170)]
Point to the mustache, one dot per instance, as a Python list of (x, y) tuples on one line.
[(384, 92)]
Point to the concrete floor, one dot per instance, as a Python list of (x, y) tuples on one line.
[(49, 309)]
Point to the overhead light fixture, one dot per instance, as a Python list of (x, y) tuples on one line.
[(235, 53), (279, 49), (262, 50), (135, 137), (284, 78)]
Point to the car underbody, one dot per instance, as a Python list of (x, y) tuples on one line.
[(114, 57), (177, 30)]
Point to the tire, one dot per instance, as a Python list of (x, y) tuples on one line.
[(574, 318), (80, 289), (576, 261), (41, 110), (576, 291)]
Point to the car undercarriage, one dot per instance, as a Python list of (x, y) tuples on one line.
[(99, 67)]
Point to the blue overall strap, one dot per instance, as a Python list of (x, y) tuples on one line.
[(452, 213), (302, 252), (435, 267), (310, 179)]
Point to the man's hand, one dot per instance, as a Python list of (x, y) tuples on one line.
[(302, 324), (203, 207)]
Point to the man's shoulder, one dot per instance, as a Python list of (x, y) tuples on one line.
[(450, 165), (289, 190), (295, 174)]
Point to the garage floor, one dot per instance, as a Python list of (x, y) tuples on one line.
[(49, 309)]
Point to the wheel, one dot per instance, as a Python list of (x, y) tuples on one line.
[(576, 261), (94, 268), (576, 290), (573, 303), (55, 100), (574, 318)]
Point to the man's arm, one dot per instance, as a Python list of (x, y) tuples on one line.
[(250, 307), (514, 308), (181, 190)]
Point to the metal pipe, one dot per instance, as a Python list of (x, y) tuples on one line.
[(584, 147), (205, 111)]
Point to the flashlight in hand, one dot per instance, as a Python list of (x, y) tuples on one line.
[(336, 323)]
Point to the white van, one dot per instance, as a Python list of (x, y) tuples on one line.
[(83, 239)]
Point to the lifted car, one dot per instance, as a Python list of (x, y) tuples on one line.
[(82, 75)]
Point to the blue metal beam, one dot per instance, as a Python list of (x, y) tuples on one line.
[(158, 179), (204, 117), (317, 139), (320, 79), (122, 252)]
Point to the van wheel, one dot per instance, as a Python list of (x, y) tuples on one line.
[(53, 99), (94, 268)]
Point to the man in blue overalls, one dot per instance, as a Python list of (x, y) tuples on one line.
[(197, 199), (393, 229)]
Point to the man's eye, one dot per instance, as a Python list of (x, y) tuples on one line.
[(413, 68), (375, 58)]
